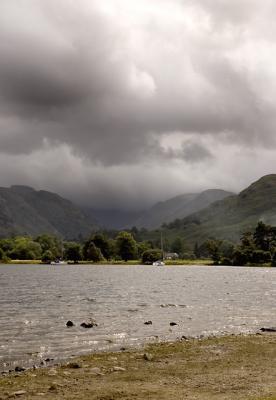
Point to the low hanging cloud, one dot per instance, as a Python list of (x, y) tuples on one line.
[(128, 94)]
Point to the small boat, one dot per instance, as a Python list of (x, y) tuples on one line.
[(58, 262), (158, 263)]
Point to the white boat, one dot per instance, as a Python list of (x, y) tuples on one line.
[(158, 263), (58, 262)]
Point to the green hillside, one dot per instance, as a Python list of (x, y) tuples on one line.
[(26, 211), (230, 217), (178, 207)]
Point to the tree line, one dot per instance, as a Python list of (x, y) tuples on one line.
[(255, 248), (98, 247)]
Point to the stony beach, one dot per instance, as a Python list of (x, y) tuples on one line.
[(230, 367)]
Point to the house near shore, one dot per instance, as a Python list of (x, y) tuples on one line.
[(171, 256)]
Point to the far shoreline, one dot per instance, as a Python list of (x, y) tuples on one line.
[(168, 263)]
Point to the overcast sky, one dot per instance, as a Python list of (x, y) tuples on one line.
[(119, 103)]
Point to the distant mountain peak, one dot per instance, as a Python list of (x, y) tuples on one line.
[(22, 189), (228, 218), (24, 210)]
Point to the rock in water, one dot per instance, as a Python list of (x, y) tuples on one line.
[(272, 329), (148, 323), (69, 324), (173, 323), (89, 324), (19, 369)]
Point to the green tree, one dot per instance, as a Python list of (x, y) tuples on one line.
[(240, 257), (260, 257), (91, 252), (226, 249), (103, 244), (47, 256), (72, 251), (25, 249), (126, 246), (177, 246), (263, 236), (273, 259), (7, 245), (213, 247), (52, 243), (151, 255), (142, 247)]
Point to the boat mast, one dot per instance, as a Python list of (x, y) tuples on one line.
[(162, 249)]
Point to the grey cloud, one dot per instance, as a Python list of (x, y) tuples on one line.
[(109, 79), (195, 152)]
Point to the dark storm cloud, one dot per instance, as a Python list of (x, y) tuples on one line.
[(110, 80)]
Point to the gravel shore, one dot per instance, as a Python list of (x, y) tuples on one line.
[(231, 367)]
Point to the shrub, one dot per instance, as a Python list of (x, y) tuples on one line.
[(150, 256)]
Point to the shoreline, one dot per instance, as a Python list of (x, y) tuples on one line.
[(168, 263), (220, 367), (201, 262)]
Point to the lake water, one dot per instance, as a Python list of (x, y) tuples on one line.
[(37, 301)]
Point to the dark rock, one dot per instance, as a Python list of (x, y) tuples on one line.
[(73, 365), (69, 324), (173, 323), (53, 388), (19, 369), (89, 324), (49, 359), (272, 329), (123, 348), (148, 323)]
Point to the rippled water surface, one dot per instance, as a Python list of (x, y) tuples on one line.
[(37, 301)]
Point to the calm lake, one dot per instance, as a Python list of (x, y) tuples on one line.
[(37, 301)]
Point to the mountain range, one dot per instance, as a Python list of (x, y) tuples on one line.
[(163, 211), (24, 210), (194, 217), (230, 217), (178, 207)]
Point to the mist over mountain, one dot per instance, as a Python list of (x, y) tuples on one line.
[(113, 219), (24, 210), (178, 207), (163, 211)]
